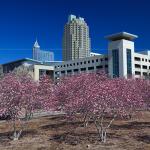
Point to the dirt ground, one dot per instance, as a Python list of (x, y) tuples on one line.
[(56, 133)]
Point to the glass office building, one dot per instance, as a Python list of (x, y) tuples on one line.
[(42, 55)]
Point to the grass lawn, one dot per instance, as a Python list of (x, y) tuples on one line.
[(56, 133)]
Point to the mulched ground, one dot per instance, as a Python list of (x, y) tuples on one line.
[(57, 133)]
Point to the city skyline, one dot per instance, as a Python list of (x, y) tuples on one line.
[(22, 21)]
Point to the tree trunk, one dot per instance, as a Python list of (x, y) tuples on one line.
[(16, 135), (85, 120), (105, 136), (99, 130), (15, 132)]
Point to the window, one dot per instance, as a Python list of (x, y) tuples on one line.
[(96, 60), (137, 66), (41, 72), (84, 62), (64, 65), (90, 68), (99, 67), (57, 72), (115, 62), (142, 59), (88, 61), (45, 72), (137, 73), (144, 67), (83, 69), (92, 61), (56, 78), (68, 71), (106, 59), (76, 70), (144, 73), (81, 63), (77, 63), (62, 72), (129, 62), (137, 59), (106, 66)]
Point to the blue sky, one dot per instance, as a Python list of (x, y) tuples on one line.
[(21, 21)]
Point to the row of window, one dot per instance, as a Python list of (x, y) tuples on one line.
[(83, 69), (81, 63), (139, 73), (139, 59), (143, 66)]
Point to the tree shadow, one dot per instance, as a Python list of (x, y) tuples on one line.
[(28, 133), (72, 138), (144, 138), (58, 117), (75, 138), (7, 136), (132, 125), (62, 124)]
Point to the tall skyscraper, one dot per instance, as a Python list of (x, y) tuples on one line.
[(76, 40), (41, 55)]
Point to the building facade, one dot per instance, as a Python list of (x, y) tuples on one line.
[(76, 40), (121, 54), (35, 68), (82, 65), (42, 55), (121, 61)]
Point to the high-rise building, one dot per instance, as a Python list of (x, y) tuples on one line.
[(41, 55), (76, 40)]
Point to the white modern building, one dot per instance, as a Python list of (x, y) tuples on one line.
[(121, 61), (121, 54), (76, 40), (88, 64), (41, 55)]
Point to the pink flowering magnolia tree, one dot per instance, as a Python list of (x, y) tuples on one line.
[(145, 90), (96, 97), (46, 94), (71, 93), (18, 98)]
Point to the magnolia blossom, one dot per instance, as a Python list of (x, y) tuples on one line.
[(18, 99), (46, 94), (95, 96)]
